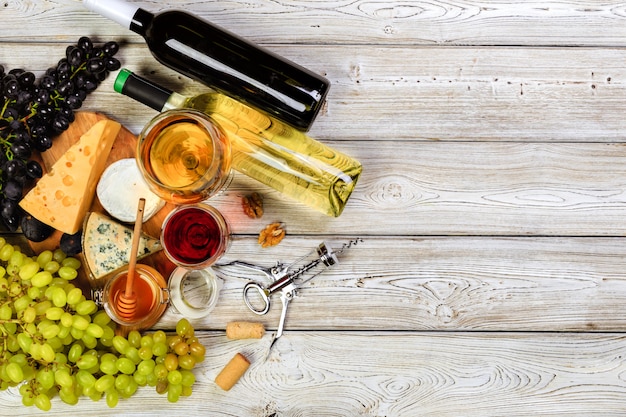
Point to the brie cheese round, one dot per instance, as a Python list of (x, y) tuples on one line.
[(120, 188)]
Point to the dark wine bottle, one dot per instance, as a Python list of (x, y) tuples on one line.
[(224, 61)]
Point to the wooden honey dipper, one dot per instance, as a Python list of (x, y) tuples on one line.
[(127, 301)]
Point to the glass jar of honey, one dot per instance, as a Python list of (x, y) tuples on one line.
[(151, 294)]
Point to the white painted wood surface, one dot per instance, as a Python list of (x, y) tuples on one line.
[(491, 277)]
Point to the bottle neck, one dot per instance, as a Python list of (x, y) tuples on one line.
[(141, 21), (175, 101), (147, 92), (120, 12)]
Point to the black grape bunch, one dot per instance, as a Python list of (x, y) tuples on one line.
[(35, 110)]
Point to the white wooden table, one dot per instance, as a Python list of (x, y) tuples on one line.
[(491, 279)]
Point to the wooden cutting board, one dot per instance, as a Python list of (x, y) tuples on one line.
[(123, 147)]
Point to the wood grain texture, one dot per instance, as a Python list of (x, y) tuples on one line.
[(399, 374), (490, 277), (476, 188), (442, 283), (418, 93), (337, 22)]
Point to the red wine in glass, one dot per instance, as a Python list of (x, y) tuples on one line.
[(195, 236)]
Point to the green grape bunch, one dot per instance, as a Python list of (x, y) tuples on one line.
[(56, 342), (35, 110)]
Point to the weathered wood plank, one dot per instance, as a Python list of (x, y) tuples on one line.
[(491, 208), (436, 188), (563, 23), (418, 94), (393, 374), (472, 187), (468, 284), (400, 93)]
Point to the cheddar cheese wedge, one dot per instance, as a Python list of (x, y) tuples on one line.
[(62, 197)]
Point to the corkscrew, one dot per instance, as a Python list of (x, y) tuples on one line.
[(287, 278)]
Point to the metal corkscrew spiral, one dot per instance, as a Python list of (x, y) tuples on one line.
[(288, 278), (315, 262)]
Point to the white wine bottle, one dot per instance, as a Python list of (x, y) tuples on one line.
[(263, 148), (224, 61)]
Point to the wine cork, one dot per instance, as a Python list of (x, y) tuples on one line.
[(231, 373), (244, 330)]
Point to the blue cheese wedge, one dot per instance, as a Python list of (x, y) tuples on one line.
[(107, 244)]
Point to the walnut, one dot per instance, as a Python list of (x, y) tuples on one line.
[(252, 205), (272, 235)]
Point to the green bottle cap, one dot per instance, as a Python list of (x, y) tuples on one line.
[(142, 90), (118, 86)]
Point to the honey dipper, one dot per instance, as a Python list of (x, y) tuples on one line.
[(127, 301)]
